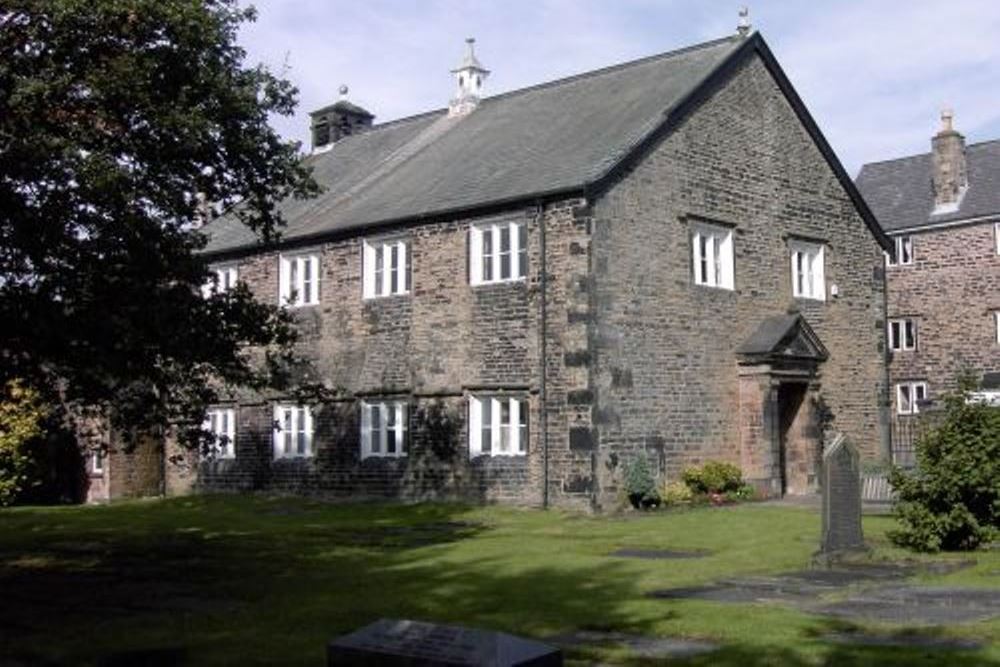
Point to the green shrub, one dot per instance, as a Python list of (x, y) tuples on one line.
[(21, 415), (713, 477), (640, 484), (676, 493), (951, 500)]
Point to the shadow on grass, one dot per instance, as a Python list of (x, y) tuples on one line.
[(270, 581), (273, 588)]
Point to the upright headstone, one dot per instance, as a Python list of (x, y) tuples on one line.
[(400, 643), (841, 492)]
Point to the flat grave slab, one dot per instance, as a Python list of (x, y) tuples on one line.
[(918, 605), (880, 594), (658, 554), (404, 643), (908, 640)]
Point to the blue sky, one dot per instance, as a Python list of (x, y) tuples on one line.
[(874, 74)]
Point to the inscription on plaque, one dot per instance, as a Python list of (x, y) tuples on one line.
[(841, 495), (398, 643)]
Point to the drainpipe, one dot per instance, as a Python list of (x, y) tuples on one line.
[(542, 393), (885, 400)]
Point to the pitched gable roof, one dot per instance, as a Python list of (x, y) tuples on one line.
[(568, 136), (901, 194)]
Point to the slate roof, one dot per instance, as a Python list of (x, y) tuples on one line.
[(549, 140), (901, 195)]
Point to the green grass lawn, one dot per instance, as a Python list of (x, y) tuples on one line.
[(261, 580)]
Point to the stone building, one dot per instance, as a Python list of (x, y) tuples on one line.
[(942, 212), (515, 295)]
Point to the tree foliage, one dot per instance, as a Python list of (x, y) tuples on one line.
[(21, 417), (951, 500), (118, 118)]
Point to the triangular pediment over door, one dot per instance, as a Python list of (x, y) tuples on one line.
[(783, 338)]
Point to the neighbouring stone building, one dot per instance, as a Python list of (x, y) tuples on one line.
[(942, 211), (514, 296)]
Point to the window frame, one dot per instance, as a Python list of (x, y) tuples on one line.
[(221, 449), (307, 431), (372, 272), (720, 253), (97, 461), (516, 254), (224, 278), (518, 433), (900, 243), (292, 268), (816, 276), (913, 406), (400, 412), (903, 323), (996, 236)]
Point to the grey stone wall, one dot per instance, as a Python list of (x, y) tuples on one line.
[(952, 290), (433, 348), (664, 375)]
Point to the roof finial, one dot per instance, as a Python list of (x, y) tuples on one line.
[(947, 118), (743, 27), (343, 90)]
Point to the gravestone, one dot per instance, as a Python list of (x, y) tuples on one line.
[(841, 505), (402, 643)]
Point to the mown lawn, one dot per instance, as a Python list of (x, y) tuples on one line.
[(261, 580)]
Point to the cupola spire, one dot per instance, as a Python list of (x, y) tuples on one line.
[(470, 76)]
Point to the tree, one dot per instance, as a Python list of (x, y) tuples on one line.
[(952, 500), (118, 118)]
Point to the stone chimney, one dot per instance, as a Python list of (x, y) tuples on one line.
[(334, 122), (470, 76), (950, 174)]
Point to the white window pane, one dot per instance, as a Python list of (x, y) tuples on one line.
[(401, 416), (515, 426), (393, 269), (475, 256), (487, 253), (903, 398), (475, 427), (522, 250), (404, 273)]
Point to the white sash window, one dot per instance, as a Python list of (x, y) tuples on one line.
[(498, 426), (909, 395), (222, 279), (298, 280), (712, 255), (383, 429), (808, 274), (498, 252), (385, 268), (221, 423), (902, 334), (293, 433)]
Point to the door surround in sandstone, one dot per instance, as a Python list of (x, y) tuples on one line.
[(778, 370)]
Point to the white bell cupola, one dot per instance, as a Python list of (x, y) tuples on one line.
[(470, 75)]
